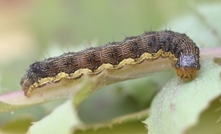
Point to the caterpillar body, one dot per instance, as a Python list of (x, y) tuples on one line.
[(179, 48)]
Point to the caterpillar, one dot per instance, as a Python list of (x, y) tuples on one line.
[(179, 48)]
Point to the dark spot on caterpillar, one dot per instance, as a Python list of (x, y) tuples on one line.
[(182, 51)]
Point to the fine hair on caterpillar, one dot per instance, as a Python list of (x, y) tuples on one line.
[(179, 48)]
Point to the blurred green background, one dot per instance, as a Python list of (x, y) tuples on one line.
[(35, 30)]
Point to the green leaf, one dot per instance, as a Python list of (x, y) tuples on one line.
[(178, 105), (62, 120)]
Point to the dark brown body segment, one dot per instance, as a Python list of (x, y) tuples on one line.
[(180, 46)]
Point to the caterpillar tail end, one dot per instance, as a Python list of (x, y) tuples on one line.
[(25, 84)]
